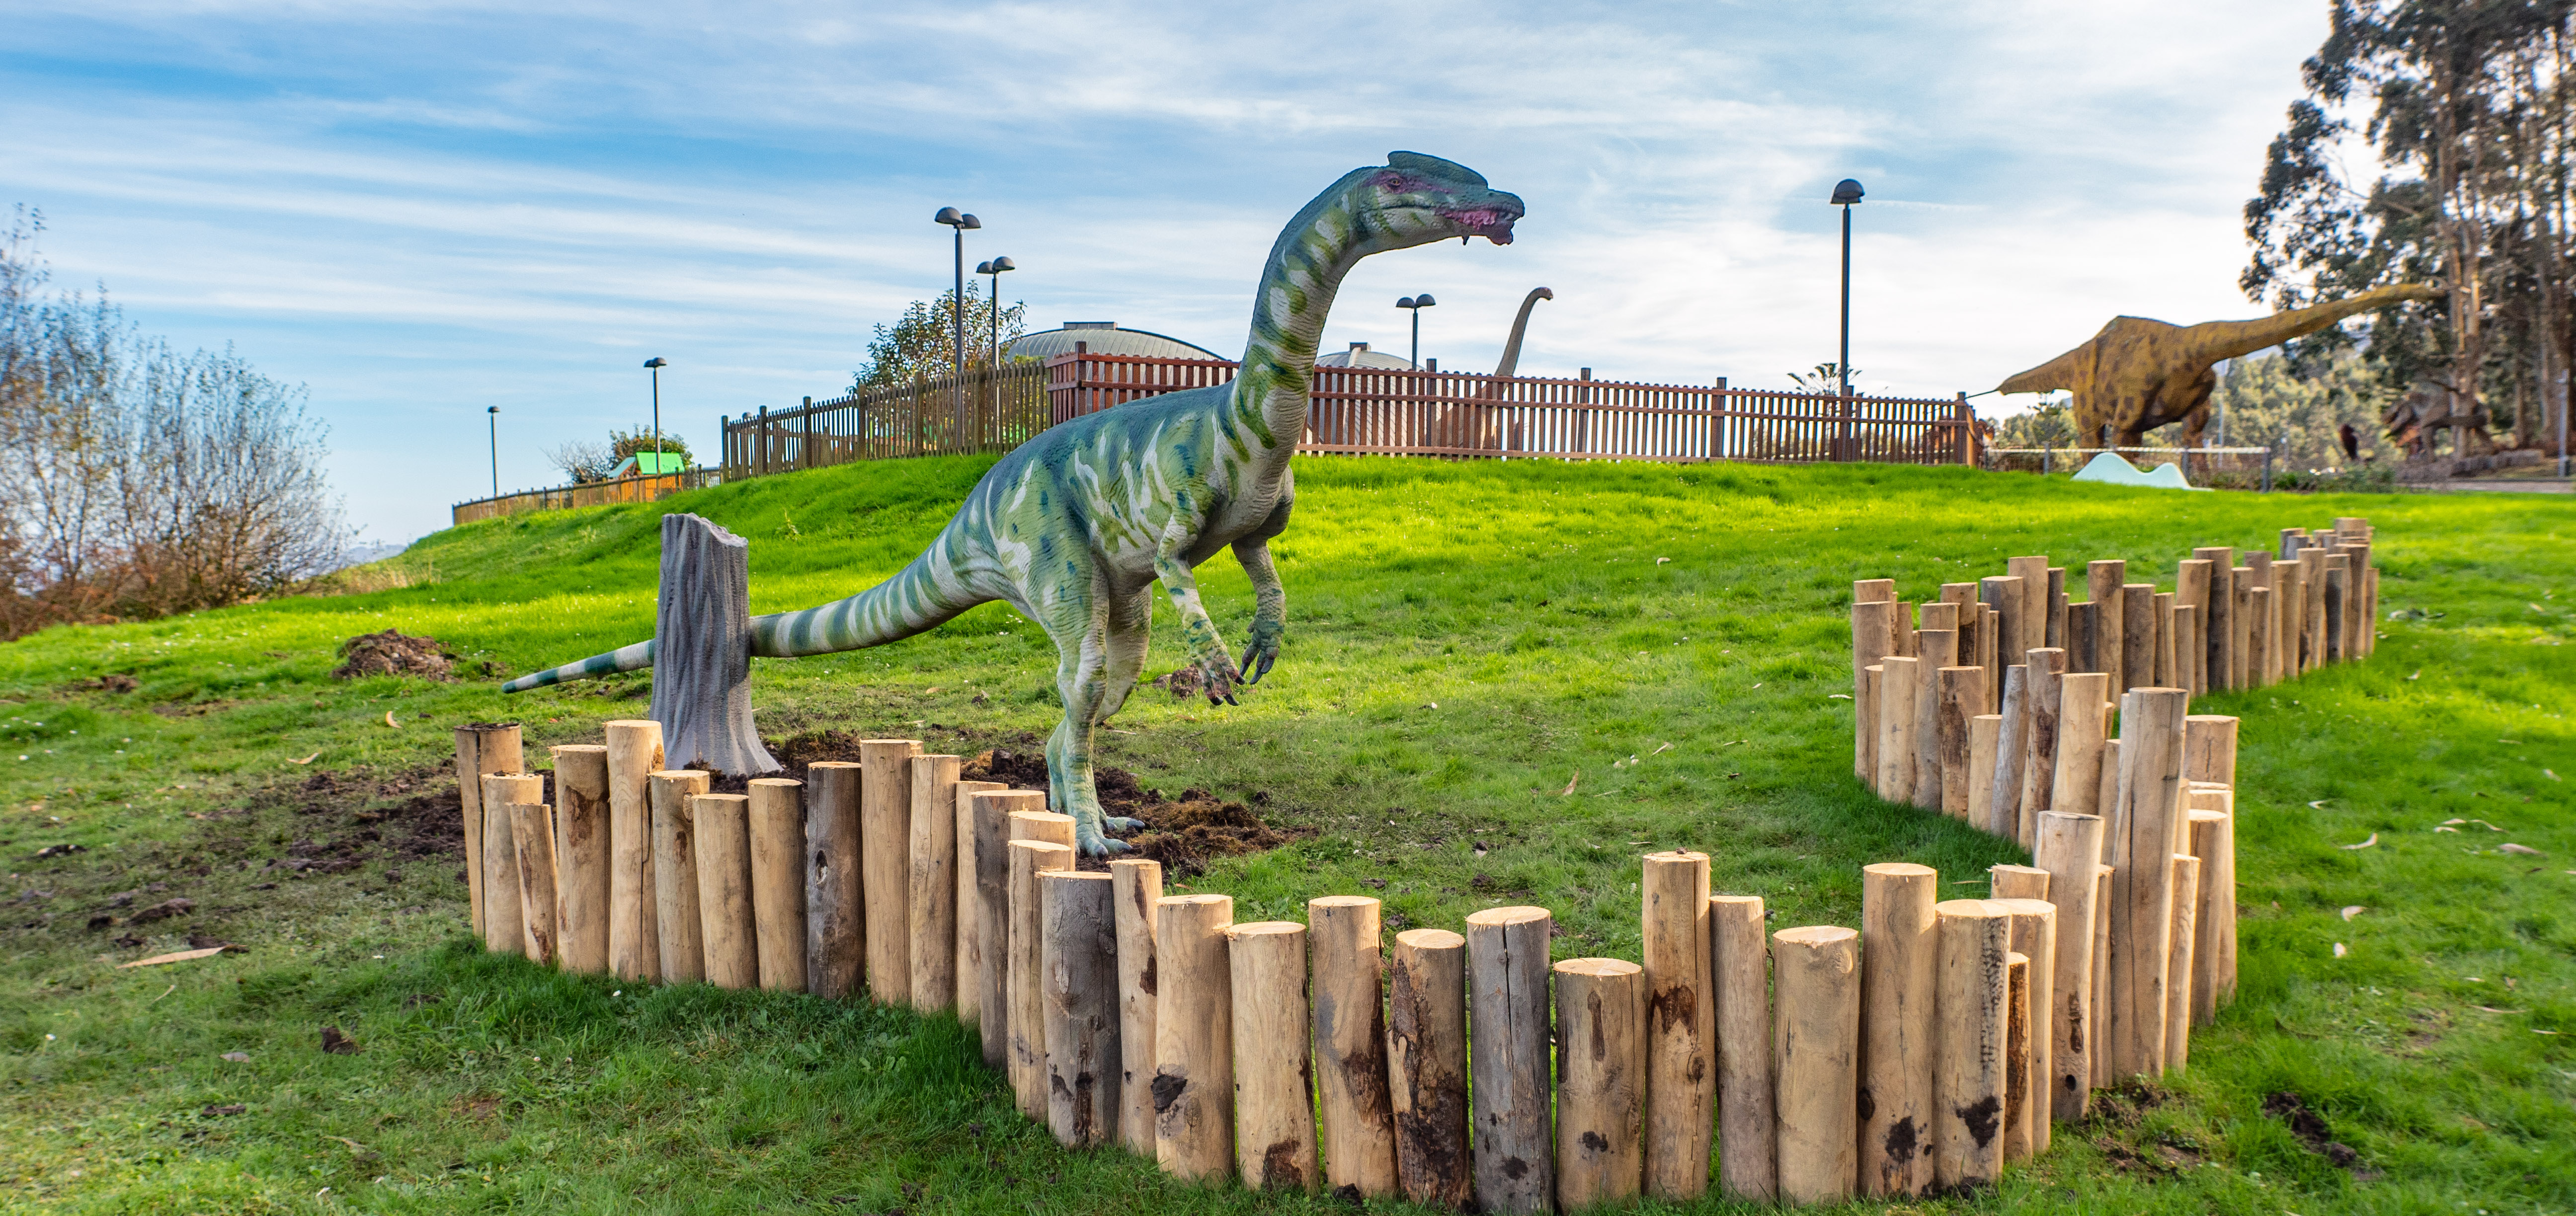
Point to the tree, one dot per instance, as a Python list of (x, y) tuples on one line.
[(137, 481), (2470, 117), (622, 444), (920, 344), (582, 460), (2266, 404)]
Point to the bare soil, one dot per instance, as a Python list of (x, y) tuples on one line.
[(394, 653)]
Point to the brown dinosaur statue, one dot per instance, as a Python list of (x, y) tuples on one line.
[(2139, 374)]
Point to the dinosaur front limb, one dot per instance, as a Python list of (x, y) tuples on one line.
[(1269, 608), (1216, 666)]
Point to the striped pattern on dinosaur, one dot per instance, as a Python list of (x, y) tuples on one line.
[(1074, 527)]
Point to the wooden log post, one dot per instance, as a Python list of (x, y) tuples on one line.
[(885, 868), (1678, 1076), (2312, 579), (1026, 1000), (2097, 1014), (1136, 885), (2034, 934), (1601, 1082), (2009, 881), (2003, 594), (2217, 619), (2148, 829), (1193, 1082), (1968, 1064), (2167, 675), (2070, 849), (2240, 643), (1962, 694), (1984, 731), (2001, 812), (532, 837), (1357, 1111), (1274, 1115), (970, 930), (2263, 621), (1507, 994), (2191, 652), (2032, 620), (1084, 1054), (702, 650), (2289, 601), (1897, 1026), (2340, 617), (1896, 728), (2046, 680), (634, 928), (729, 936), (1427, 1066), (2179, 969), (1740, 974), (2213, 840), (2209, 749), (505, 929), (1936, 650), (992, 812), (2078, 778), (679, 923), (1816, 1053), (2056, 609), (932, 900), (777, 817), (1872, 626), (2016, 1056), (835, 916), (582, 856), (2370, 610), (2102, 582), (481, 748), (2080, 653), (2138, 634), (1866, 723)]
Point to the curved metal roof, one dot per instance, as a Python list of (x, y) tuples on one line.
[(1359, 355), (1105, 338)]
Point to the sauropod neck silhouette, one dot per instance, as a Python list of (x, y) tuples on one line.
[(1074, 527)]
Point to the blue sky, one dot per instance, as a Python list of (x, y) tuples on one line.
[(422, 209)]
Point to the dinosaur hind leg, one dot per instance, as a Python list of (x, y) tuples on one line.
[(1079, 625), (1131, 623)]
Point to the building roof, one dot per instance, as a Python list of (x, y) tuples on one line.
[(1105, 338), (1359, 355)]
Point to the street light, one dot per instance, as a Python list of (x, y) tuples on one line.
[(1847, 195), (657, 363), (1415, 305), (958, 222), (993, 306), (492, 415)]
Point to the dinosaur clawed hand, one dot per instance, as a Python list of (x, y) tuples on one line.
[(1093, 844), (1218, 677)]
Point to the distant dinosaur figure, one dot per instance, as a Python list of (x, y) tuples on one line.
[(1074, 527), (1520, 325), (2415, 419), (2139, 374)]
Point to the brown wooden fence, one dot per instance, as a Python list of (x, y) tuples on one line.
[(1357, 411)]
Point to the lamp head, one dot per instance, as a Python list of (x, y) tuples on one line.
[(1424, 300), (1846, 192), (1404, 302), (969, 221), (983, 268), (491, 409), (1002, 264), (657, 361), (949, 216)]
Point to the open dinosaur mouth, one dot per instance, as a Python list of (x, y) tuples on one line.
[(1491, 224)]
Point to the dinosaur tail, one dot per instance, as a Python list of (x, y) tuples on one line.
[(920, 597)]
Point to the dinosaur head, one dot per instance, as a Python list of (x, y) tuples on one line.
[(1418, 199)]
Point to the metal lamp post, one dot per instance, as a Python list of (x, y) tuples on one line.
[(1415, 305), (958, 222), (657, 363), (1847, 194), (492, 415), (993, 312)]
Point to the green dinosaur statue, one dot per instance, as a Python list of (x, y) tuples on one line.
[(2138, 374), (1074, 527)]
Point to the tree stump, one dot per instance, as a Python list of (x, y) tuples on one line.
[(702, 650)]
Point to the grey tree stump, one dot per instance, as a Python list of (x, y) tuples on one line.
[(702, 651)]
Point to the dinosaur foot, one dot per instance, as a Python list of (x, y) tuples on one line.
[(1121, 823), (1093, 844)]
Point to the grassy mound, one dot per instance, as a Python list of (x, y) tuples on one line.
[(1503, 682)]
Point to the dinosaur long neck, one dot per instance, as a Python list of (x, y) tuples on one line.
[(1520, 325), (1277, 381), (2217, 340)]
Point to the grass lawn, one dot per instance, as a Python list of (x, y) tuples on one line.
[(1465, 641)]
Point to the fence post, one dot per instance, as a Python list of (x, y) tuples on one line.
[(762, 460), (2267, 470), (1967, 423), (1717, 421), (805, 445)]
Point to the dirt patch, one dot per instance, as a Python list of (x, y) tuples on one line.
[(392, 653), (1183, 833), (2310, 1127)]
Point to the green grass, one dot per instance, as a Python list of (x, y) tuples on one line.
[(1464, 640)]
